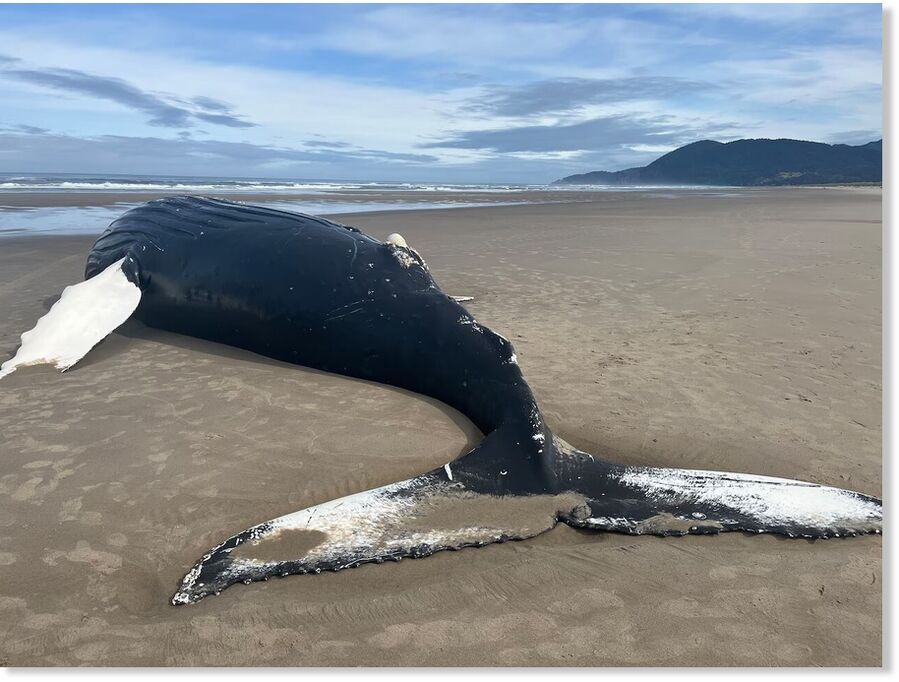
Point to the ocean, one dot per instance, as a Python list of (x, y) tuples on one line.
[(61, 203)]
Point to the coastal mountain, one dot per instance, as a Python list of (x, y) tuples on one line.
[(750, 163)]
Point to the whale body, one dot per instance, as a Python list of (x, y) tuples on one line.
[(316, 293)]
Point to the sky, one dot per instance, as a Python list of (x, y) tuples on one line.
[(437, 93)]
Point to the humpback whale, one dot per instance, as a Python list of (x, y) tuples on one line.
[(328, 296)]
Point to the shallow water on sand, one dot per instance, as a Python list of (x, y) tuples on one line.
[(68, 205), (15, 221)]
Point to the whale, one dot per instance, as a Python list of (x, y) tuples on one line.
[(327, 296)]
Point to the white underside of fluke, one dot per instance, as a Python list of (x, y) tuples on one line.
[(84, 314), (770, 500)]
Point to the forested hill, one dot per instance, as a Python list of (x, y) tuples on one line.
[(750, 163)]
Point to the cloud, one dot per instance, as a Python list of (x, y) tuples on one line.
[(452, 33), (27, 129), (187, 156), (114, 89), (564, 94), (211, 104), (778, 15), (224, 120), (496, 93), (597, 134), (219, 112), (183, 155), (329, 144), (160, 111)]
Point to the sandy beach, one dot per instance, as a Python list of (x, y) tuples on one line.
[(737, 333)]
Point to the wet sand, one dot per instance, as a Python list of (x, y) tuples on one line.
[(739, 333)]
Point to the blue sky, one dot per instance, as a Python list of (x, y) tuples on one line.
[(453, 93)]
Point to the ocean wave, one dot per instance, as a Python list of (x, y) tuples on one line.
[(23, 183)]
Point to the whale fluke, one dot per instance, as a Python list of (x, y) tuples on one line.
[(83, 316), (475, 501)]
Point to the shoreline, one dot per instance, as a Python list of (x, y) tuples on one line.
[(90, 213), (48, 199), (100, 198), (76, 198)]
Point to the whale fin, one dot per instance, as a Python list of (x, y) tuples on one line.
[(658, 501), (86, 313), (412, 518)]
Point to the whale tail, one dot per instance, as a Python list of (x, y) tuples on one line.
[(479, 499), (83, 316)]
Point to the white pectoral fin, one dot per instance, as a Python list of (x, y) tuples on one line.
[(86, 313), (462, 299)]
